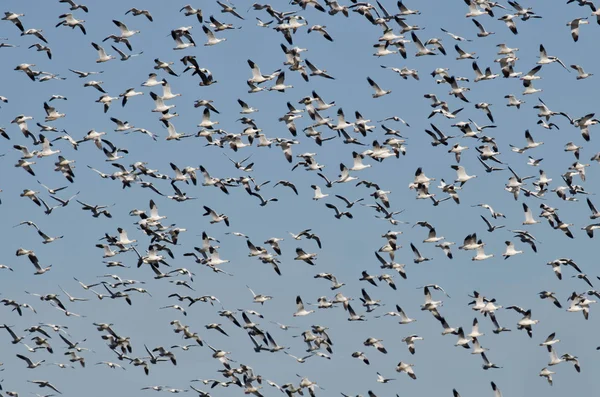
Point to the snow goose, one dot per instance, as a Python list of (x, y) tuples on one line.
[(124, 56), (462, 341), (482, 32), (102, 55), (461, 175), (529, 220), (574, 25), (430, 304), (71, 22), (378, 91), (216, 218), (475, 330), (338, 214), (418, 257), (486, 363), (407, 368), (475, 11), (581, 74), (51, 113), (37, 33), (314, 71), (257, 76), (159, 105), (508, 20), (230, 9), (456, 91), (568, 357), (382, 49), (125, 31), (368, 302), (152, 81), (546, 59), (44, 383), (320, 29), (14, 18), (46, 150), (376, 343), (358, 164), (546, 373), (26, 68), (280, 84), (166, 66), (406, 11), (263, 24), (245, 108), (137, 12), (454, 37), (529, 88), (129, 93), (462, 54), (190, 11), (300, 310), (421, 49), (477, 348), (489, 225), (212, 39), (318, 193), (510, 250), (513, 101), (301, 255), (410, 342)]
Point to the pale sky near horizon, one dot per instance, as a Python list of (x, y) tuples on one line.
[(348, 245)]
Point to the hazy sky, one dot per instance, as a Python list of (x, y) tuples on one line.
[(348, 245)]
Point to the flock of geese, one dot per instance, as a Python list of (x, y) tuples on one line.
[(310, 257)]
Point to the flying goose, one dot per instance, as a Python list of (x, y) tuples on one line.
[(71, 22), (212, 39), (230, 9), (14, 18), (30, 364), (124, 56), (508, 20), (581, 74), (338, 214), (190, 11), (44, 383), (407, 368), (461, 175), (300, 310), (314, 71), (574, 25), (280, 84), (482, 32), (301, 255), (102, 55), (547, 59), (137, 12)]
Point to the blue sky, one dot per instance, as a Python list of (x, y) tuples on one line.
[(348, 245)]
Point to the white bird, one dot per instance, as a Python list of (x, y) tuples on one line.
[(318, 193), (581, 74), (280, 84), (212, 39), (510, 250), (574, 25), (71, 21), (461, 175), (529, 220), (125, 31), (378, 91), (102, 55), (300, 310)]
